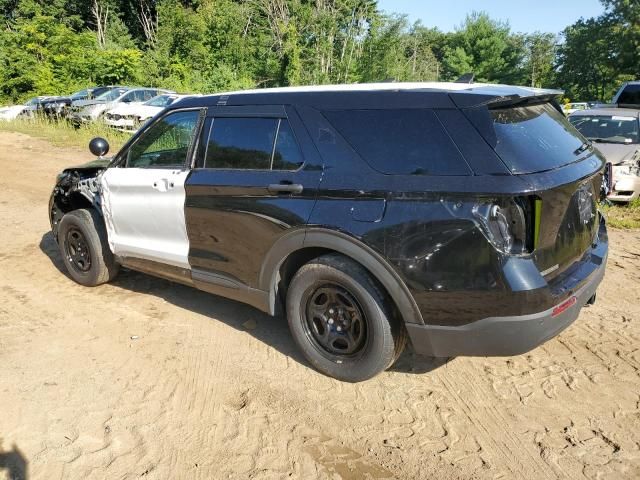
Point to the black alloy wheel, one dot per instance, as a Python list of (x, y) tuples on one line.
[(84, 247), (77, 250), (342, 320), (334, 321)]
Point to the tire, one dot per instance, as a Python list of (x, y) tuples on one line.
[(83, 244), (342, 320)]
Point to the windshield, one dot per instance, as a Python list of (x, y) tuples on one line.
[(160, 101), (607, 128), (111, 95), (535, 138), (32, 101)]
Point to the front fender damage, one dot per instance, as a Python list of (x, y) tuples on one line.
[(75, 188)]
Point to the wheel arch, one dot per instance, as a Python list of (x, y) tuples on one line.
[(297, 248), (61, 204)]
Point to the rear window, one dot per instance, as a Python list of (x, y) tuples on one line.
[(630, 95), (535, 138), (400, 142)]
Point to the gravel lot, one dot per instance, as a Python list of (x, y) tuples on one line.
[(144, 378)]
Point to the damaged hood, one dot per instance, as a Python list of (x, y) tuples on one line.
[(96, 164), (618, 153)]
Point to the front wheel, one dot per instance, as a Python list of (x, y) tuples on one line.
[(342, 320), (82, 239)]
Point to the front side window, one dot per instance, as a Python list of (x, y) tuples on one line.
[(252, 144), (607, 128), (166, 143)]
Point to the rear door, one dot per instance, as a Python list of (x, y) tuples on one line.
[(143, 201), (256, 181)]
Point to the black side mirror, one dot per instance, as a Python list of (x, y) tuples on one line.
[(99, 147)]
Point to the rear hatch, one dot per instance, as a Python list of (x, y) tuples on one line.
[(536, 142)]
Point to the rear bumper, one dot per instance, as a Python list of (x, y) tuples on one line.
[(511, 335)]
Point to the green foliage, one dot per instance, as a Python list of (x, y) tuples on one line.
[(586, 65), (486, 48), (599, 54), (623, 216), (58, 46), (541, 53), (398, 51), (624, 16)]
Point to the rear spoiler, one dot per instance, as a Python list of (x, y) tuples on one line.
[(496, 97), (518, 101)]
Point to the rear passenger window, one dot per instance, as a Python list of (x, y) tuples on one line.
[(400, 141), (252, 144)]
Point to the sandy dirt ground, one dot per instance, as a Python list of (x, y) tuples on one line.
[(147, 379)]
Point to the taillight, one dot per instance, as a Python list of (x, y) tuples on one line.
[(512, 225)]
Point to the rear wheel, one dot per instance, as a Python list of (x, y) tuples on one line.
[(82, 240), (342, 320)]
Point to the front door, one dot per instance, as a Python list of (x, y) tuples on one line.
[(143, 200)]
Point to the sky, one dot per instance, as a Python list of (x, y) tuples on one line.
[(524, 16)]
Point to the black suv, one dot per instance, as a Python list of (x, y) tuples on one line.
[(461, 217)]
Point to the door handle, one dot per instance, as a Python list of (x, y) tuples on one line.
[(163, 185), (285, 188)]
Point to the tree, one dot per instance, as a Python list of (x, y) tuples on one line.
[(540, 57), (587, 60), (485, 47), (394, 50), (623, 17)]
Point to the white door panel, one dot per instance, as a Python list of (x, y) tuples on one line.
[(144, 214)]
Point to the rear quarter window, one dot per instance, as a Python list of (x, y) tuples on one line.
[(400, 141)]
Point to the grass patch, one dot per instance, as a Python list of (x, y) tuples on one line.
[(62, 134), (623, 216)]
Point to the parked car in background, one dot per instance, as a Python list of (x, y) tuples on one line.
[(569, 108), (628, 95), (481, 238), (616, 131), (59, 106), (76, 105), (129, 116), (34, 106), (11, 112), (92, 110)]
